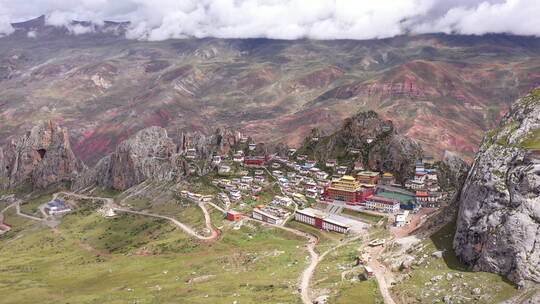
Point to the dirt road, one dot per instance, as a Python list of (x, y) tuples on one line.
[(4, 227), (19, 213), (381, 274), (182, 226), (110, 203), (310, 247)]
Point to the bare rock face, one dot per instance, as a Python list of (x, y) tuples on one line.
[(4, 179), (498, 225), (380, 146), (43, 156), (222, 141), (149, 154), (452, 170), (396, 154), (152, 154)]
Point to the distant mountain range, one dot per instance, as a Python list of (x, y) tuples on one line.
[(444, 91)]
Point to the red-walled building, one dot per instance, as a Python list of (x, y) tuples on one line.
[(316, 218), (347, 189), (254, 161), (234, 216)]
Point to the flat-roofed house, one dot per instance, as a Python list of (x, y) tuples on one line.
[(317, 219), (382, 204)]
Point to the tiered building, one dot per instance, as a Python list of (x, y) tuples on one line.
[(348, 189), (368, 177)]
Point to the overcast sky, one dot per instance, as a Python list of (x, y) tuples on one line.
[(286, 19)]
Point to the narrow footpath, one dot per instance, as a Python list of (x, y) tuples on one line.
[(110, 203), (4, 227)]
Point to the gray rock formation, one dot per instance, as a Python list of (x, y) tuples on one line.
[(452, 170), (42, 156), (381, 147), (149, 154), (4, 179), (498, 225), (222, 141)]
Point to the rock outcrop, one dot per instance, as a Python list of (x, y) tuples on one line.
[(4, 179), (222, 141), (149, 154), (452, 171), (152, 154), (375, 141), (498, 225), (43, 156)]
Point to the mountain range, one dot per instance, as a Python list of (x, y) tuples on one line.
[(444, 91)]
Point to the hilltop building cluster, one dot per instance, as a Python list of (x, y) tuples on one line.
[(244, 173), (425, 183)]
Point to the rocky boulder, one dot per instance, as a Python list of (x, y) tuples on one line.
[(43, 156), (498, 225)]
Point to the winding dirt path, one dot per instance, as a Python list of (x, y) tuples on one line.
[(182, 226), (19, 213), (307, 274), (110, 203), (379, 270), (3, 226)]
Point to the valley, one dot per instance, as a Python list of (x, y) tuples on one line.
[(232, 227), (444, 91), (402, 170)]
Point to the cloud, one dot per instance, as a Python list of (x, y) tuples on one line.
[(5, 26), (284, 19)]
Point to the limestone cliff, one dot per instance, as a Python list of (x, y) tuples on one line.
[(43, 156), (498, 225), (375, 141)]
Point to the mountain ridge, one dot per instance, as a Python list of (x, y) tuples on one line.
[(442, 90)]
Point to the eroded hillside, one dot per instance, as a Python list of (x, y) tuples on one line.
[(444, 91)]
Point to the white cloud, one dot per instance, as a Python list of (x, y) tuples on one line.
[(5, 26), (284, 19)]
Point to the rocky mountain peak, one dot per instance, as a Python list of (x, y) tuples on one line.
[(148, 154), (43, 155), (498, 225), (378, 144), (364, 126)]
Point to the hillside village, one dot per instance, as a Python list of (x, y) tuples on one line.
[(366, 187), (240, 152), (272, 187)]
